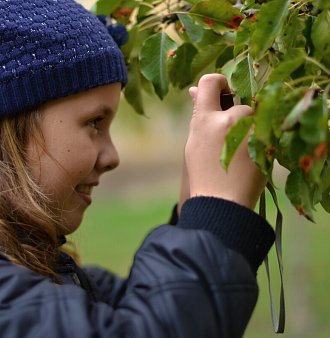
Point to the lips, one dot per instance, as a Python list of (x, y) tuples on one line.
[(85, 191)]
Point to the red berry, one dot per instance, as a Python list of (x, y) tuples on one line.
[(270, 152), (306, 163), (300, 209), (235, 22), (253, 18), (122, 13), (208, 21), (320, 150)]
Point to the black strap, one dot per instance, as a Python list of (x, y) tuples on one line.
[(66, 265), (278, 322)]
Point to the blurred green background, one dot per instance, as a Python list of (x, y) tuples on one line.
[(141, 193)]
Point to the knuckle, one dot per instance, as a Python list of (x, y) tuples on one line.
[(228, 121)]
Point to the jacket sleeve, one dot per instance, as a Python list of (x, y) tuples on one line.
[(186, 281), (110, 287)]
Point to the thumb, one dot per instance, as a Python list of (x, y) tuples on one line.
[(209, 88)]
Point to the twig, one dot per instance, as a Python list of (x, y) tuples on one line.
[(305, 78), (325, 69)]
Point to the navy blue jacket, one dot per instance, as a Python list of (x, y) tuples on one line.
[(193, 280)]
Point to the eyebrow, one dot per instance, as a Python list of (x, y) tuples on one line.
[(100, 109), (104, 109)]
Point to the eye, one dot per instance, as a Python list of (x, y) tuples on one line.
[(95, 123)]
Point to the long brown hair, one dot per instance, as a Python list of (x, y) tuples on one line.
[(28, 227)]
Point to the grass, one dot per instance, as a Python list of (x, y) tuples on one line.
[(113, 230)]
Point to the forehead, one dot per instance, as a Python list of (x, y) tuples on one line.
[(101, 99)]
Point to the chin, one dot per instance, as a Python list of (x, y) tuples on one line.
[(71, 224)]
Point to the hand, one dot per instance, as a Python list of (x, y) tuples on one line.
[(184, 188), (243, 182)]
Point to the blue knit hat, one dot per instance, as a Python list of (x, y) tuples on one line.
[(50, 49)]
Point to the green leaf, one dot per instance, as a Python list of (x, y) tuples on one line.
[(225, 56), (294, 116), (153, 60), (205, 57), (132, 90), (320, 38), (298, 192), (323, 4), (105, 7), (234, 138), (326, 176), (262, 69), (290, 148), (130, 49), (325, 202), (243, 36), (228, 69), (286, 103), (147, 86), (269, 23), (243, 79), (314, 123), (267, 101), (257, 151), (293, 61), (123, 13), (314, 177), (217, 15), (213, 38), (144, 10), (195, 32), (292, 33), (180, 67)]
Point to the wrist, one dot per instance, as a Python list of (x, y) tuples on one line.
[(243, 200)]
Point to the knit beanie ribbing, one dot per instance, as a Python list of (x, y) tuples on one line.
[(51, 49)]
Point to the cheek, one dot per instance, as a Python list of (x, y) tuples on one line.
[(76, 159), (63, 163), (78, 164)]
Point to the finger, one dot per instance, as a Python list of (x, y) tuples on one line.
[(193, 93), (233, 114), (209, 88), (240, 110)]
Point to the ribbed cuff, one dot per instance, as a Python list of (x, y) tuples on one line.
[(238, 227)]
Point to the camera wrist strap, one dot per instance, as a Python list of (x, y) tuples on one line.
[(278, 321)]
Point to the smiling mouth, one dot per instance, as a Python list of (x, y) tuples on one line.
[(85, 191)]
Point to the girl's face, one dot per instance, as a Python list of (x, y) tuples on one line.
[(77, 149)]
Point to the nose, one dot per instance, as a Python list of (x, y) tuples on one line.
[(108, 158)]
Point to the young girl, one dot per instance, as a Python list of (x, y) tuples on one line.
[(60, 80)]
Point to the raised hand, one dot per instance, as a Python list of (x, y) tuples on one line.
[(243, 182)]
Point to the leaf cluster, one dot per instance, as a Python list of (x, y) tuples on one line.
[(276, 56)]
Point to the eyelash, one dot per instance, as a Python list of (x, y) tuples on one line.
[(94, 123)]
